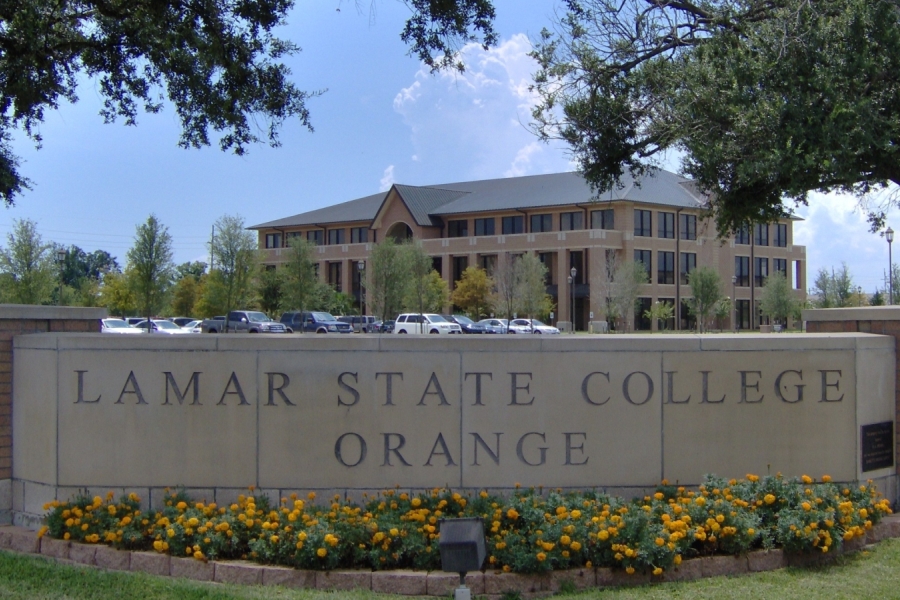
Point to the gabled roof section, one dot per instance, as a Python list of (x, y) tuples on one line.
[(422, 202), (565, 189), (361, 209)]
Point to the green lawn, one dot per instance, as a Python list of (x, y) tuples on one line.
[(872, 574)]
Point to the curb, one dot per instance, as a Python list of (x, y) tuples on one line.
[(491, 584)]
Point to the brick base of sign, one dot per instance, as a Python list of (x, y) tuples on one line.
[(490, 584)]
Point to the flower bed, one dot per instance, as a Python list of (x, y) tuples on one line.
[(528, 532)]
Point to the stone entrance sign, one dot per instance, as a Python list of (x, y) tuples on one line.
[(362, 413)]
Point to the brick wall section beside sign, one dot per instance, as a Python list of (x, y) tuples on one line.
[(18, 320), (881, 320)]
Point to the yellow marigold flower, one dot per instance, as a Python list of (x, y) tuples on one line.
[(394, 531), (66, 535), (541, 556), (630, 570), (576, 514), (863, 513), (826, 478), (657, 571), (575, 546), (806, 479), (769, 498), (603, 535), (512, 514), (659, 495), (806, 506), (181, 506), (321, 552), (198, 555), (659, 541), (565, 540)]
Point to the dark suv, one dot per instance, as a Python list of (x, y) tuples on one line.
[(362, 323), (314, 322)]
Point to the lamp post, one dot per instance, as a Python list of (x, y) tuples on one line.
[(573, 271), (734, 299), (60, 260), (859, 295), (360, 268), (889, 234)]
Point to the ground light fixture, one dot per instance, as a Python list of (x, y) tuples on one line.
[(734, 299), (462, 549)]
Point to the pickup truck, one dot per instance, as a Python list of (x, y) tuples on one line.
[(243, 321)]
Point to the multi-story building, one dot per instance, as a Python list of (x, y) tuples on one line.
[(659, 222)]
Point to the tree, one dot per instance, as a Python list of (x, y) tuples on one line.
[(235, 255), (116, 294), (388, 279), (768, 99), (150, 268), (531, 286), (706, 289), (29, 273), (216, 62), (661, 312), (506, 302), (776, 299), (195, 269), (270, 289), (602, 272), (472, 293), (833, 289), (418, 265), (185, 294), (80, 265), (435, 294), (300, 279), (628, 279), (877, 299)]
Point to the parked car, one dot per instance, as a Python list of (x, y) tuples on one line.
[(466, 324), (362, 323), (112, 325), (134, 320), (427, 323), (314, 322), (193, 326), (388, 326), (243, 321), (532, 326), (160, 326), (493, 325), (182, 321)]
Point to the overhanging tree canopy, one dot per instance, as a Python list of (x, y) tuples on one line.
[(216, 61), (768, 99)]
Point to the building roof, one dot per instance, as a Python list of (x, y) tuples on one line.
[(428, 204)]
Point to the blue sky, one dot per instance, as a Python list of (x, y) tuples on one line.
[(383, 119)]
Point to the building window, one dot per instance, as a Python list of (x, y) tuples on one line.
[(641, 320), (761, 234), (643, 223), (760, 271), (488, 262), (460, 264), (665, 267), (688, 319), (359, 235), (548, 259), (484, 226), (781, 235), (576, 259), (688, 264), (742, 270), (742, 310), (666, 225), (334, 275), (603, 219), (335, 237), (513, 225), (670, 322), (688, 227), (742, 236), (273, 240), (459, 228), (570, 221), (643, 257), (541, 223), (315, 237), (779, 265)]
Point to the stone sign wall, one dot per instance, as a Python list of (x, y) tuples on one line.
[(358, 413)]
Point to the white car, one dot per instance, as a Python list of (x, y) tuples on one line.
[(532, 326), (112, 325), (192, 326), (160, 326), (427, 323)]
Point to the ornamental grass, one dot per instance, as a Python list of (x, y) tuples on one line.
[(531, 531)]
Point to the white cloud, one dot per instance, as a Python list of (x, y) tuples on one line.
[(387, 179), (835, 231), (472, 124)]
